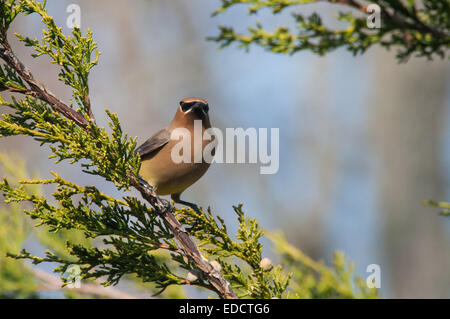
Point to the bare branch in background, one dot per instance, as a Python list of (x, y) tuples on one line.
[(50, 282)]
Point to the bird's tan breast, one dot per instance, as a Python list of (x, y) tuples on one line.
[(168, 177)]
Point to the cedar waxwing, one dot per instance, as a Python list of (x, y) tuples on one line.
[(158, 168)]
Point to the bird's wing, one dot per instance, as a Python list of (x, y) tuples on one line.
[(153, 144)]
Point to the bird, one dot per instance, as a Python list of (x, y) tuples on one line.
[(157, 166)]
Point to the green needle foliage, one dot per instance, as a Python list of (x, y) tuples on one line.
[(420, 28), (118, 238), (217, 243), (72, 53), (17, 278), (444, 206)]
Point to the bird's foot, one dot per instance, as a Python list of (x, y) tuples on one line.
[(193, 206)]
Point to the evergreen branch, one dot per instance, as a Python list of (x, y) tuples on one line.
[(425, 31), (163, 209), (221, 286), (37, 89), (264, 280)]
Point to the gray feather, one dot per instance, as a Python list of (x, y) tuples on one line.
[(153, 144)]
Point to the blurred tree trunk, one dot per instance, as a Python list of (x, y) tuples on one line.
[(407, 116), (320, 153)]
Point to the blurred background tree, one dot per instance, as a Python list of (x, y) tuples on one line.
[(419, 28)]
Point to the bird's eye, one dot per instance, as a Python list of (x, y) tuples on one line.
[(206, 108), (185, 106)]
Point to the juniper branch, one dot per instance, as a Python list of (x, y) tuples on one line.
[(188, 248), (37, 89), (423, 31)]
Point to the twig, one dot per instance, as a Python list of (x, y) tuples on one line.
[(165, 211), (351, 3), (38, 90), (399, 20), (89, 107)]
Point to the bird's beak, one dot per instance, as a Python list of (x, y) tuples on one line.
[(198, 110)]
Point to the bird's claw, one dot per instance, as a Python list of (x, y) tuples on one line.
[(165, 202)]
